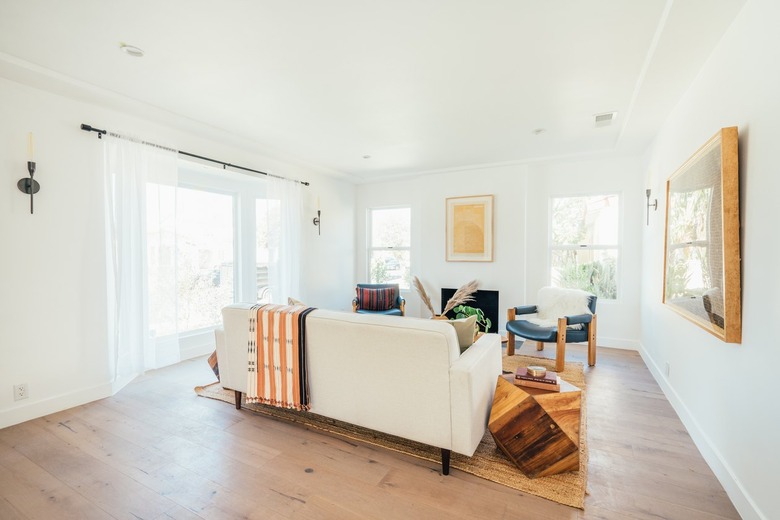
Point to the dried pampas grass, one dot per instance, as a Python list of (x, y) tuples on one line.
[(424, 295), (462, 296)]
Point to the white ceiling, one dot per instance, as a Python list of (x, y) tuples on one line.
[(419, 85)]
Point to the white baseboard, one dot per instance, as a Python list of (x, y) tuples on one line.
[(35, 409), (621, 343), (195, 346), (739, 496)]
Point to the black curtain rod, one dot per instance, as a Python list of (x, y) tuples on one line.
[(100, 133)]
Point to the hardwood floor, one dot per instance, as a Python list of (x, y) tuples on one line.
[(157, 451)]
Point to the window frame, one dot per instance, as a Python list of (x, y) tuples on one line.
[(244, 190), (370, 249), (618, 247)]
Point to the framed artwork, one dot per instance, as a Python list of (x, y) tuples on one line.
[(702, 254), (470, 229)]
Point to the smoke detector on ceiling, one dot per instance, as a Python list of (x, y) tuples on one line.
[(605, 119)]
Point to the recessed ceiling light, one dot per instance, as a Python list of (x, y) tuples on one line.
[(366, 156), (537, 131), (131, 50)]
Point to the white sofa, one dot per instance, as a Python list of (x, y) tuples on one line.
[(399, 375)]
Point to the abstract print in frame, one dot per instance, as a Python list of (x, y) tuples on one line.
[(470, 229), (702, 273)]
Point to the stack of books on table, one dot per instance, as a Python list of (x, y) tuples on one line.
[(550, 381)]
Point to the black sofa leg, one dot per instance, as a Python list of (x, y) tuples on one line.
[(238, 399), (445, 462)]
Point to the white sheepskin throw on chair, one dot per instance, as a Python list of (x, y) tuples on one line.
[(553, 303)]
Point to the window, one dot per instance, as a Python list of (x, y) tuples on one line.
[(266, 218), (389, 252), (207, 247), (204, 257), (584, 244), (190, 257)]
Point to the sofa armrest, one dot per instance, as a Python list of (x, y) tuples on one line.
[(231, 340), (472, 385)]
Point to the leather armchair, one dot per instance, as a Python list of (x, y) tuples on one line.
[(399, 305), (559, 334)]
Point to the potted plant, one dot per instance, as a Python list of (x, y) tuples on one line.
[(464, 311)]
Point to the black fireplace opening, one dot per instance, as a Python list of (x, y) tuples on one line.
[(486, 301)]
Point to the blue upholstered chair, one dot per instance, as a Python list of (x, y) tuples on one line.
[(379, 298), (559, 334)]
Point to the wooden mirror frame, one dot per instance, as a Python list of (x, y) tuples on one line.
[(702, 238)]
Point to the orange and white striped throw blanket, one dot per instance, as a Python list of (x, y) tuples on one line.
[(277, 356)]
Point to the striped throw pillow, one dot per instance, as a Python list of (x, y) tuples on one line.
[(376, 299)]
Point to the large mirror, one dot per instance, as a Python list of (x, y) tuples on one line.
[(702, 269)]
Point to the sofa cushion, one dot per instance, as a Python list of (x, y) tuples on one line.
[(464, 328), (372, 299)]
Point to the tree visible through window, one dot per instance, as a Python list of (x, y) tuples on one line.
[(389, 258), (584, 244), (190, 249)]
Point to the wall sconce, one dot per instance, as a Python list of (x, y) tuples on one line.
[(316, 220), (29, 185), (654, 205)]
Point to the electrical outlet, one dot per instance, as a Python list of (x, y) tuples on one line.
[(20, 392)]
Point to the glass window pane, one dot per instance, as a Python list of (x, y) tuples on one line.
[(592, 270), (585, 220), (391, 227), (161, 258), (391, 267), (204, 222)]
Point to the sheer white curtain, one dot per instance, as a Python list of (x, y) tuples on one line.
[(284, 239), (131, 171)]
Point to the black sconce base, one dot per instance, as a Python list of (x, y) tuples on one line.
[(654, 205), (24, 185), (29, 185), (316, 221)]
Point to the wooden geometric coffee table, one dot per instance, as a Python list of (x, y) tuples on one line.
[(538, 430)]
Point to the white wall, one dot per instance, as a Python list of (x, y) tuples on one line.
[(426, 195), (734, 419), (618, 324), (329, 258), (520, 256), (52, 308)]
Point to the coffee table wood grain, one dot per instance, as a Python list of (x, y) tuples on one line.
[(538, 430)]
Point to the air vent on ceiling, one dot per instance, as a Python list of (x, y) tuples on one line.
[(605, 119)]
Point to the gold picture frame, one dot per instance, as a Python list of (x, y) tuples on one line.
[(470, 229), (702, 273)]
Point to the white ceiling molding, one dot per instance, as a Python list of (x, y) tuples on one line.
[(420, 87)]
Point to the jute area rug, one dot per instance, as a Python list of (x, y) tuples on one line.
[(488, 461)]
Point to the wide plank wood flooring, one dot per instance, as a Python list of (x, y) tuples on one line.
[(157, 451)]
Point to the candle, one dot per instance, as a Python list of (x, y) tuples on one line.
[(30, 147)]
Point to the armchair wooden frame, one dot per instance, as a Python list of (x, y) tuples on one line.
[(560, 346)]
